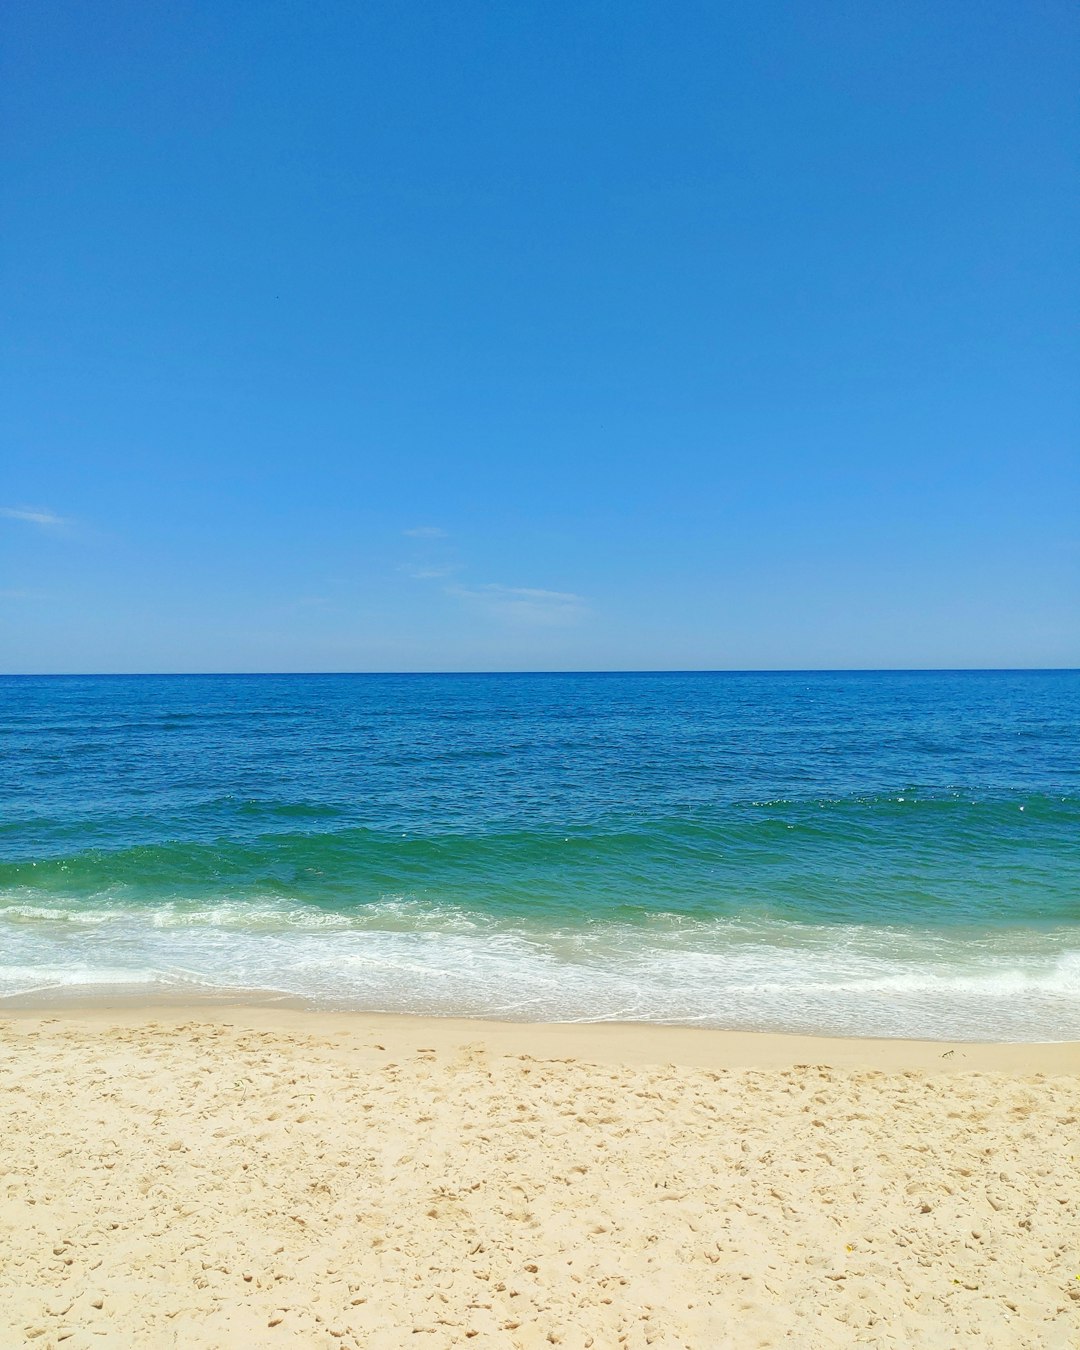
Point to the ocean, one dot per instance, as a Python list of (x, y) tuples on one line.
[(865, 853)]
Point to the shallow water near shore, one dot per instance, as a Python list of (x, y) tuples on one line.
[(876, 854)]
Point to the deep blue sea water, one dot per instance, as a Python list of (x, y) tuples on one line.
[(862, 853)]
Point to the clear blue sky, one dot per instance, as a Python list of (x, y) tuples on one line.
[(488, 335)]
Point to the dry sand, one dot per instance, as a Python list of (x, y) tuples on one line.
[(245, 1178)]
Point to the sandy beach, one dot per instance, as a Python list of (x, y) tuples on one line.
[(248, 1177)]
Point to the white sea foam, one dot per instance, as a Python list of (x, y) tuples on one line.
[(409, 956)]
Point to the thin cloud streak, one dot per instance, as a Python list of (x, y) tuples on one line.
[(430, 573), (523, 604), (532, 606), (33, 515)]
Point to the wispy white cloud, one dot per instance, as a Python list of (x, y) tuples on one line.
[(33, 515), (430, 573), (523, 604)]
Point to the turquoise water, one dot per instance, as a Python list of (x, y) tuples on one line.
[(864, 853)]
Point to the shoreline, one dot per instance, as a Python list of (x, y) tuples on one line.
[(613, 1043)]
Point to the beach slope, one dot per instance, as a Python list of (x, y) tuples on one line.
[(244, 1177)]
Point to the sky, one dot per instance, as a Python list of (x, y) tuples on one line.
[(489, 336)]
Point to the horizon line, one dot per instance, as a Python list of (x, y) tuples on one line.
[(640, 670)]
